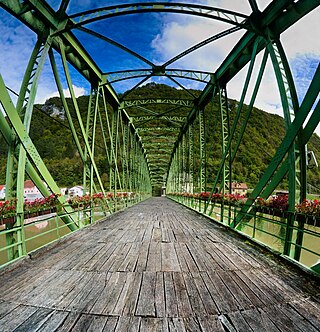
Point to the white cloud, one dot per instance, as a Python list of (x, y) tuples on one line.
[(78, 91), (300, 43)]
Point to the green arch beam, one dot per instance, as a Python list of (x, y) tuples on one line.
[(102, 13)]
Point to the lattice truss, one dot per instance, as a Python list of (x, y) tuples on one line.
[(155, 141)]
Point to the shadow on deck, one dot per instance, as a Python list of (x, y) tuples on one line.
[(156, 267)]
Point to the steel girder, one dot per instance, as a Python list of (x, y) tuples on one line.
[(199, 76), (263, 31), (90, 16)]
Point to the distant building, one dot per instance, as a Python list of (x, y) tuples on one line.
[(239, 188), (31, 192), (2, 191), (64, 191), (75, 191)]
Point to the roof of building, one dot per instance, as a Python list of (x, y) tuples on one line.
[(2, 186), (239, 185), (29, 184)]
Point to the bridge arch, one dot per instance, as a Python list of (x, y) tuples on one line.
[(128, 132)]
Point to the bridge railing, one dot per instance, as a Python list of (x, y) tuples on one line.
[(46, 226), (292, 235)]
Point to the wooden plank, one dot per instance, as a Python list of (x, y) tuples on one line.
[(98, 256), (169, 259), (115, 289), (16, 317), (151, 324), (54, 321), (99, 282), (239, 322), (281, 320), (69, 322), (78, 295), (183, 303), (205, 295), (118, 276), (309, 310), (154, 257), (35, 321), (176, 325), (130, 262), (83, 323), (195, 300), (134, 324), (268, 286), (118, 247), (182, 261), (299, 322), (143, 257), (192, 324), (121, 256), (156, 235), (98, 324), (146, 301), (186, 256), (217, 258), (216, 294), (258, 321), (210, 323), (102, 323), (12, 293), (123, 324), (6, 307), (255, 288), (56, 289), (170, 296), (240, 296), (228, 300), (198, 255), (160, 295), (128, 284), (37, 290), (133, 295), (104, 295)]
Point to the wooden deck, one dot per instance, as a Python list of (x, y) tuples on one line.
[(156, 267)]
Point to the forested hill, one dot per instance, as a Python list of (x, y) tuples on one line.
[(52, 137)]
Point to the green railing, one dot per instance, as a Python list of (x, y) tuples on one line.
[(47, 226), (297, 240)]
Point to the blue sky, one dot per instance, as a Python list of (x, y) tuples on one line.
[(158, 37)]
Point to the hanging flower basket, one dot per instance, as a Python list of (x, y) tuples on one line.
[(7, 220)]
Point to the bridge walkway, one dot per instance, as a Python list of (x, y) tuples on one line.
[(156, 267)]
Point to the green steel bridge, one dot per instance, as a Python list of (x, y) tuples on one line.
[(148, 151)]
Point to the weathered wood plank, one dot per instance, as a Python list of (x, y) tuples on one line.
[(228, 301), (170, 295), (146, 301), (83, 323), (133, 295), (258, 321), (160, 295), (169, 259), (54, 322), (205, 295), (237, 292), (154, 257), (195, 300), (13, 319), (69, 322), (183, 303), (156, 267)]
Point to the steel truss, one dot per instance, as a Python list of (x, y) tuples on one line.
[(141, 154)]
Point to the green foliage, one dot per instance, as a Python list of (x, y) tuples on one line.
[(52, 137)]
